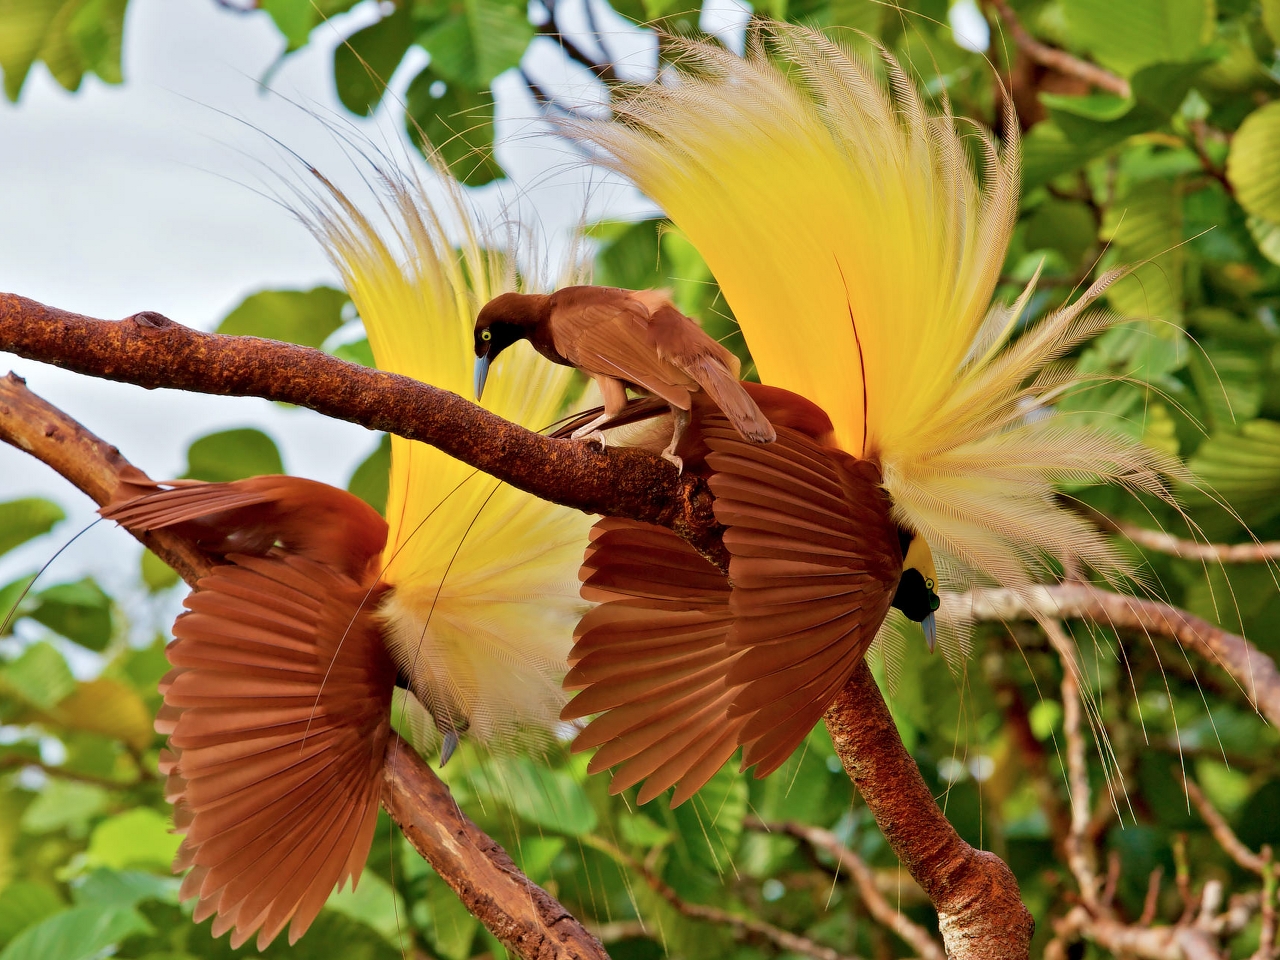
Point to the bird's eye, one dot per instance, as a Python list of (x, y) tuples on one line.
[(929, 584), (486, 335)]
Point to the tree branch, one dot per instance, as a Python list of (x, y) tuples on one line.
[(520, 914), (1056, 59), (1252, 670)]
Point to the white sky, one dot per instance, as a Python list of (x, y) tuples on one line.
[(115, 200)]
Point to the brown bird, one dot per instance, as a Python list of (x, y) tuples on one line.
[(684, 668), (278, 705), (622, 338)]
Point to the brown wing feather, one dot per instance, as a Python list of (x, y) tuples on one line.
[(814, 561), (651, 660), (252, 516), (278, 713)]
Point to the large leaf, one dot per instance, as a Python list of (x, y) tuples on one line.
[(452, 928), (107, 707), (76, 934), (137, 838), (70, 36), (1251, 165), (1146, 228), (478, 41), (125, 888), (457, 120), (370, 481), (40, 676), (25, 24), (1136, 33), (79, 611), (26, 519), (23, 904), (306, 317), (711, 823), (372, 903), (365, 61), (65, 805), (1243, 468), (233, 455), (550, 798)]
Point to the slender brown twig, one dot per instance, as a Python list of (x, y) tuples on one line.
[(1056, 59), (1221, 830)]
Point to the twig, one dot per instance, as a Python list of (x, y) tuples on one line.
[(1180, 547), (743, 927), (1056, 59), (910, 932), (512, 907), (1253, 670), (18, 761), (1151, 903), (1080, 855), (1221, 830)]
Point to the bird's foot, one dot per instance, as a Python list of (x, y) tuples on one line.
[(594, 436), (675, 461)]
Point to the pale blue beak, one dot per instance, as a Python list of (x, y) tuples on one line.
[(449, 745), (482, 374), (930, 626)]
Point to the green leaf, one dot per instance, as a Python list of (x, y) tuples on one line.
[(23, 904), (26, 519), (233, 455), (293, 18), (1243, 468), (76, 934), (40, 676), (125, 888), (457, 121), (65, 805), (1267, 237), (1062, 225), (138, 838), (549, 798), (79, 611), (305, 317), (1271, 19), (1146, 227), (372, 903), (452, 928), (711, 822), (97, 30), (357, 351), (1251, 164), (483, 39), (26, 23), (365, 61), (371, 479), (157, 574), (1128, 36)]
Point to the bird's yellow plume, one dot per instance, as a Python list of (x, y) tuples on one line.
[(485, 582), (859, 250)]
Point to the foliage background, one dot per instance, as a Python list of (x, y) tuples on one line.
[(1182, 175)]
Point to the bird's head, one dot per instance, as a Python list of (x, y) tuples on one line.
[(917, 594), (502, 321)]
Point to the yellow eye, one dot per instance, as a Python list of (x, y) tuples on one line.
[(929, 584), (486, 335)]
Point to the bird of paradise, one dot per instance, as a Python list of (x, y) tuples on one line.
[(278, 706), (859, 250)]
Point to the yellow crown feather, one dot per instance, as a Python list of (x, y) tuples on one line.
[(859, 250), (484, 576)]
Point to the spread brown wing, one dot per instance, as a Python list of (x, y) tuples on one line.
[(277, 711), (815, 560), (651, 659), (252, 516), (605, 332)]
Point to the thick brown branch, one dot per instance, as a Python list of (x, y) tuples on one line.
[(1056, 59), (980, 913), (520, 914), (911, 933), (152, 351), (523, 916), (1253, 670)]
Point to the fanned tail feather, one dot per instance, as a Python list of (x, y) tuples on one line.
[(278, 716), (653, 657)]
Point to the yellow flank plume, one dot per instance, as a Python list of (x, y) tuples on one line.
[(485, 580), (859, 249)]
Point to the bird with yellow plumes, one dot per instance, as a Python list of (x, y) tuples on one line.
[(278, 706), (859, 245)]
